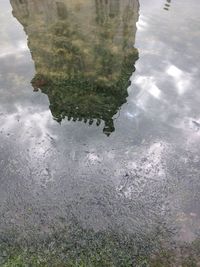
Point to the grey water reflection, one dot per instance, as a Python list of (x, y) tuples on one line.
[(70, 196), (83, 55)]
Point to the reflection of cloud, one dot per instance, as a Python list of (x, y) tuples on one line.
[(169, 101), (29, 132), (182, 80), (29, 120), (148, 84), (142, 25), (93, 158), (17, 50), (132, 114), (148, 88), (12, 38), (139, 181)]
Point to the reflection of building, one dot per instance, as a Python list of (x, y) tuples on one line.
[(83, 53), (167, 5)]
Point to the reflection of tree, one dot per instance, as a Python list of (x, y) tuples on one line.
[(83, 54)]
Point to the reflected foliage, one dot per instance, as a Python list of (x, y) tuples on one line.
[(83, 54)]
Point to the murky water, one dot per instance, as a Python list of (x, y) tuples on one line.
[(99, 133)]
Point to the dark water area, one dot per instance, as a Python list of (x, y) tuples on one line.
[(99, 133)]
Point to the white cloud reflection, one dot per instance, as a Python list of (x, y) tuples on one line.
[(147, 85), (181, 79), (17, 50), (26, 121), (142, 25)]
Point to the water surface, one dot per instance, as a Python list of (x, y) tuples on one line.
[(100, 131)]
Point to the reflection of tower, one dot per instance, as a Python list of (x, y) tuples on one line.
[(167, 5), (83, 53), (106, 9)]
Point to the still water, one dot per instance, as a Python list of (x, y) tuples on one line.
[(99, 133)]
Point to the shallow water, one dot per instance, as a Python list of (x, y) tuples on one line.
[(100, 129)]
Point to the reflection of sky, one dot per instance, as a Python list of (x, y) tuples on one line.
[(165, 85), (12, 38), (155, 127)]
